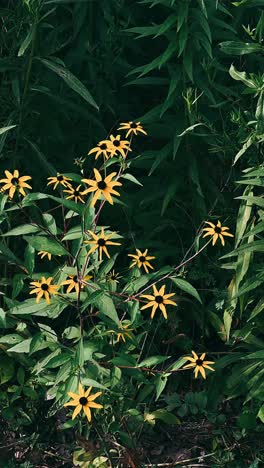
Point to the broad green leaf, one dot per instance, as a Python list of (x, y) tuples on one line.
[(68, 204), (72, 81), (105, 306), (92, 383), (152, 361), (160, 384), (50, 223), (23, 229), (22, 347), (48, 245), (165, 416), (186, 287)]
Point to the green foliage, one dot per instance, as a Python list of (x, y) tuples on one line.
[(191, 73)]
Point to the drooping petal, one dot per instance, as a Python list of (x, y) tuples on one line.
[(76, 411)]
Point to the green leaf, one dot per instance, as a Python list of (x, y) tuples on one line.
[(257, 246), (6, 129), (166, 417), (22, 347), (186, 287), (68, 204), (241, 76), (260, 414), (50, 223), (27, 307), (23, 229), (105, 305), (92, 383), (240, 48), (72, 81), (48, 245), (152, 361), (160, 384), (131, 178), (26, 42)]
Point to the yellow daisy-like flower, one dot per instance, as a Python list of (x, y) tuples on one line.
[(74, 283), (116, 145), (83, 400), (60, 179), (199, 364), (216, 230), (100, 242), (102, 187), (141, 259), (43, 254), (104, 147), (123, 332), (113, 276), (15, 183), (44, 288), (75, 193), (132, 127), (158, 300)]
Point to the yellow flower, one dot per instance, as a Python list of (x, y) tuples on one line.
[(123, 332), (132, 127), (43, 254), (75, 283), (82, 400), (113, 276), (102, 187), (13, 183), (141, 259), (100, 242), (216, 230), (75, 193), (117, 145), (104, 147), (199, 364), (44, 287), (60, 179), (159, 300)]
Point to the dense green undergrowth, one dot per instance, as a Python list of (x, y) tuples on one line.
[(191, 72)]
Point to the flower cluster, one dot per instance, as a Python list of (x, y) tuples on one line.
[(97, 240)]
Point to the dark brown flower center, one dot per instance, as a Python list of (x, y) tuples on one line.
[(101, 185), (116, 143), (14, 180), (60, 178), (159, 299), (101, 242), (142, 258), (75, 279), (199, 362), (45, 287), (217, 230), (76, 193), (83, 400), (103, 146), (133, 125)]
